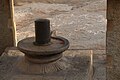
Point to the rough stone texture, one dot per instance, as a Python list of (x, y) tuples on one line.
[(72, 2), (113, 40), (99, 63), (78, 60), (84, 25), (6, 35)]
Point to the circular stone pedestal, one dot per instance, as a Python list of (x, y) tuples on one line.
[(40, 59)]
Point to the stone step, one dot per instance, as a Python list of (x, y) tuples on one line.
[(80, 67)]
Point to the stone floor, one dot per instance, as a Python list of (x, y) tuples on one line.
[(79, 61), (81, 66)]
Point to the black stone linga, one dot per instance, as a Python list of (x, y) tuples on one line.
[(42, 32)]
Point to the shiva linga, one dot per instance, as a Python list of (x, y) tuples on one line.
[(43, 53)]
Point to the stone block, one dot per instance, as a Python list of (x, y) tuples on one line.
[(78, 60)]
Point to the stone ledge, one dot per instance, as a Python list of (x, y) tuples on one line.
[(79, 67)]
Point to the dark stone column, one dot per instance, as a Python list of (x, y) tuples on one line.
[(6, 34), (113, 40)]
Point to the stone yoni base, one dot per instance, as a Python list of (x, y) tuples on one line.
[(78, 67)]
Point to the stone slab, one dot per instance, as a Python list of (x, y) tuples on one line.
[(79, 67)]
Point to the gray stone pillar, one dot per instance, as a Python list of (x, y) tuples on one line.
[(6, 25), (113, 40)]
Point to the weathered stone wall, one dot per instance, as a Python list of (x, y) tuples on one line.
[(113, 40), (6, 36)]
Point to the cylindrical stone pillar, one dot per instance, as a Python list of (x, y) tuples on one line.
[(42, 31)]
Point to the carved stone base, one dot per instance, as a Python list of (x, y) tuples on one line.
[(33, 68), (78, 67)]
